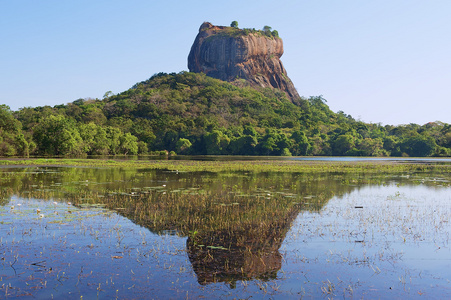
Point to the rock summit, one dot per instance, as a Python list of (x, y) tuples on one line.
[(230, 53)]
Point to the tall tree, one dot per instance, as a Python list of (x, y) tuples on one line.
[(57, 135)]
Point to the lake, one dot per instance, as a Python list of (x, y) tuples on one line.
[(132, 233)]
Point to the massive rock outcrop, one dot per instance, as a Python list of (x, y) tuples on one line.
[(229, 53)]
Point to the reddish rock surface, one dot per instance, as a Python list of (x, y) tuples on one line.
[(228, 53)]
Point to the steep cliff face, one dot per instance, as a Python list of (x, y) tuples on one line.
[(228, 53)]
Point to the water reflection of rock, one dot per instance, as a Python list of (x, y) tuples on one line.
[(234, 229), (239, 230), (249, 253)]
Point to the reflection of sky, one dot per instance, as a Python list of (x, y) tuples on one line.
[(390, 244), (403, 231), (86, 253)]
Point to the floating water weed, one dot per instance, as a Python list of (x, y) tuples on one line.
[(265, 236)]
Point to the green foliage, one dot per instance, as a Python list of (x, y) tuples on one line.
[(13, 141), (107, 94), (342, 144), (371, 147), (274, 143), (216, 143), (142, 148), (95, 139), (7, 121), (128, 144), (234, 31), (57, 135), (183, 146), (243, 145), (267, 30), (418, 146), (190, 113), (301, 145)]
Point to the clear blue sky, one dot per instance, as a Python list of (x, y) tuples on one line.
[(386, 61)]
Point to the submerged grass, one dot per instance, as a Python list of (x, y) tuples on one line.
[(235, 218)]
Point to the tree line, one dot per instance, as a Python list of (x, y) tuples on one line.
[(193, 114)]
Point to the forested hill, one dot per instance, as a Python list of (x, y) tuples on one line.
[(190, 113)]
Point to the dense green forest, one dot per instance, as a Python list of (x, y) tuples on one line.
[(190, 113)]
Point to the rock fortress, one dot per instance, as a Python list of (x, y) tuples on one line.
[(230, 53)]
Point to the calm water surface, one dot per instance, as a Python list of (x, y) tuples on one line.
[(126, 233)]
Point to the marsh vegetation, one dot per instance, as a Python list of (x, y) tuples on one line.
[(283, 230)]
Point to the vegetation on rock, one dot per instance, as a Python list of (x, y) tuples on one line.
[(230, 53)]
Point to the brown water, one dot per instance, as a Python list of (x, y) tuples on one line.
[(127, 233)]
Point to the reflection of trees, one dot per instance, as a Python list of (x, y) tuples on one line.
[(3, 197), (232, 235), (235, 222)]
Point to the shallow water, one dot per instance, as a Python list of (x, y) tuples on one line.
[(127, 233)]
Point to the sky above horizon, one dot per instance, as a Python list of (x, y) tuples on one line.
[(381, 61)]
